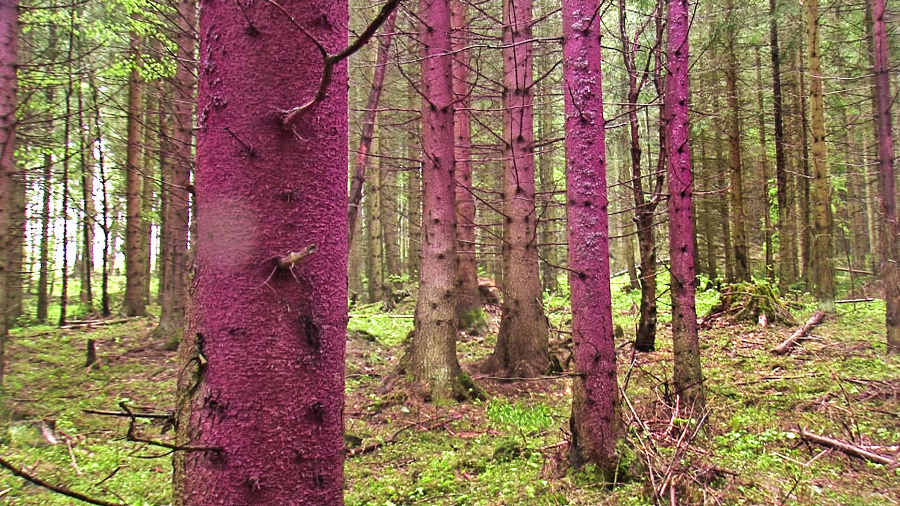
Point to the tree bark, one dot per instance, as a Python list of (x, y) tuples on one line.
[(469, 315), (769, 264), (523, 340), (134, 304), (374, 257), (891, 230), (787, 267), (430, 361), (87, 204), (802, 172), (595, 421), (736, 193), (687, 376), (821, 191), (261, 365), (9, 51)]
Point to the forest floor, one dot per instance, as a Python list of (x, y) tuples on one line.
[(510, 448)]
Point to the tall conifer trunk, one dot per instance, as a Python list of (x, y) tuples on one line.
[(261, 377), (787, 268), (596, 421), (736, 192), (688, 377), (134, 304), (9, 51), (891, 229), (522, 344)]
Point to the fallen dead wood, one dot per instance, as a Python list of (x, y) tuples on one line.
[(847, 448), (16, 471), (75, 324), (852, 301), (785, 347)]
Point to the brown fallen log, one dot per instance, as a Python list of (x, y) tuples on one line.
[(847, 448), (785, 347)]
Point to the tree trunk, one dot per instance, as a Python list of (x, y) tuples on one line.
[(368, 126), (469, 315), (261, 374), (43, 302), (787, 267), (134, 304), (802, 188), (104, 223), (373, 235), (431, 362), (687, 376), (414, 189), (87, 202), (549, 218), (769, 263), (708, 221), (595, 421), (523, 341), (891, 230), (173, 291), (149, 175), (821, 191), (9, 51), (64, 204), (736, 193)]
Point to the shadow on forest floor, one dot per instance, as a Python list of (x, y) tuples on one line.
[(510, 449)]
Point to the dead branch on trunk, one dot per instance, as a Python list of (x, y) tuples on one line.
[(785, 347), (59, 490), (848, 448)]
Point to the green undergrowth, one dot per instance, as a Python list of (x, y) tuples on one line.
[(509, 449)]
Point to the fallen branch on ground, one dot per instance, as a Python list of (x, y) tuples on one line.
[(785, 347), (59, 490), (848, 448)]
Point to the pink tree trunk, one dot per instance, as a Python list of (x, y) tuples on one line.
[(431, 360), (261, 386), (891, 230), (522, 344), (596, 422), (688, 377), (470, 316), (9, 52)]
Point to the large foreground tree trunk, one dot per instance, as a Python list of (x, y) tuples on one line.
[(688, 377), (261, 377), (431, 361), (522, 344), (891, 229), (596, 422)]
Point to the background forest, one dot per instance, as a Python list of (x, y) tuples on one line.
[(465, 375)]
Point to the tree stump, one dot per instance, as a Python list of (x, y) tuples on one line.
[(749, 301)]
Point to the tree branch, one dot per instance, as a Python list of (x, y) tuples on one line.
[(59, 490)]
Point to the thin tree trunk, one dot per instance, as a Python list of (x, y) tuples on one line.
[(687, 376), (764, 172), (736, 193), (373, 229), (469, 315), (891, 229), (523, 340), (87, 202), (787, 267), (43, 302), (104, 223), (64, 205), (368, 127), (709, 224), (821, 191), (803, 175), (134, 304), (414, 190)]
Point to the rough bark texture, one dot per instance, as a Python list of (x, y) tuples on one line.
[(470, 317), (522, 344), (891, 229), (688, 376), (821, 191), (787, 268), (374, 258), (368, 126), (261, 374), (430, 362), (595, 422), (173, 291), (43, 296), (801, 189), (134, 304), (9, 50), (736, 191), (88, 217), (769, 263)]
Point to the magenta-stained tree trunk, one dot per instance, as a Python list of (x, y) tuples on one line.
[(261, 382), (430, 361), (470, 317), (522, 344), (596, 422), (688, 376), (890, 236), (368, 127), (9, 52)]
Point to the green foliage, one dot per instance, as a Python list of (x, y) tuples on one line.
[(526, 418)]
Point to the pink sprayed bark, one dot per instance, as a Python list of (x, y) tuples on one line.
[(891, 228), (688, 377), (265, 384), (9, 51), (596, 421)]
